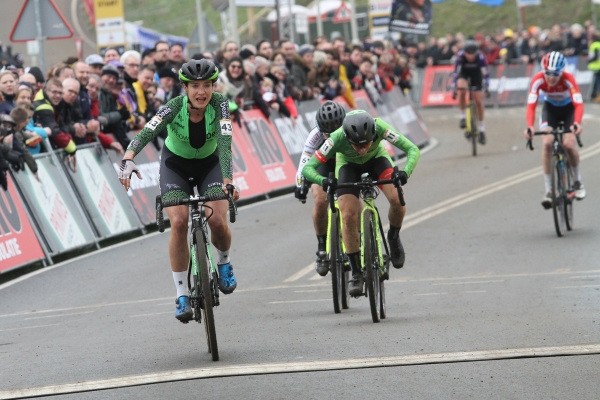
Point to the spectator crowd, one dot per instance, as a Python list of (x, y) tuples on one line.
[(104, 96)]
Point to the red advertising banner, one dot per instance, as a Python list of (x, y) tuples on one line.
[(19, 244), (247, 171), (265, 145), (436, 86)]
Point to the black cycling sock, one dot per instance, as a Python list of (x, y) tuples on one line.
[(355, 262), (393, 233), (322, 239)]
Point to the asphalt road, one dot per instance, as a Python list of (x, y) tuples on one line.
[(491, 303)]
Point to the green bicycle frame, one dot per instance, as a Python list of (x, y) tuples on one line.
[(369, 205)]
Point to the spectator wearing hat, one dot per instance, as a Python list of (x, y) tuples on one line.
[(168, 83), (96, 62), (302, 64), (508, 48), (116, 114)]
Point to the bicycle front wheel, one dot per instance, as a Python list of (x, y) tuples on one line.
[(559, 196), (207, 296), (473, 127), (336, 263), (371, 265), (569, 197)]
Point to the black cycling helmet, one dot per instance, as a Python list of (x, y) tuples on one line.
[(359, 127), (198, 70), (330, 116), (470, 47)]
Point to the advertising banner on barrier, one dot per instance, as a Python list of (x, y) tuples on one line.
[(247, 170), (509, 84), (399, 111), (276, 164), (436, 86), (19, 244), (54, 206), (95, 180), (142, 193)]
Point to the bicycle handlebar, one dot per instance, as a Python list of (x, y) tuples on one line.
[(552, 132), (365, 183), (194, 200)]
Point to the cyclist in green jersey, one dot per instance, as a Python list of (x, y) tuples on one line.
[(358, 149), (197, 153)]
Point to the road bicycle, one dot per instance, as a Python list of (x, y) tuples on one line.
[(562, 192), (374, 249), (202, 270)]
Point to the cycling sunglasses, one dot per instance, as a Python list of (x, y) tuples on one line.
[(552, 73)]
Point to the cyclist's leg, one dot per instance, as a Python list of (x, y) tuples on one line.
[(210, 180), (570, 145), (319, 215), (382, 168), (548, 120), (480, 104), (461, 86), (173, 185)]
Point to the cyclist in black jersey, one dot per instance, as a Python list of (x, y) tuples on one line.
[(471, 66), (197, 153)]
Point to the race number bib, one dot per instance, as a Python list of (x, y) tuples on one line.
[(226, 127)]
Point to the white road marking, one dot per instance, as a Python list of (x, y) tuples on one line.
[(58, 315), (576, 287), (27, 327), (467, 283), (151, 314), (302, 366), (297, 301), (432, 294)]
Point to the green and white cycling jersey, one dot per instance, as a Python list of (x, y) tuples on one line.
[(337, 145), (174, 117)]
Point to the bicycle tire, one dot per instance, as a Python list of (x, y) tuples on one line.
[(206, 295), (382, 311), (370, 266), (474, 132), (335, 262), (569, 197), (558, 196)]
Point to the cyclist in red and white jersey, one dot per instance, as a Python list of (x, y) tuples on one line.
[(562, 101)]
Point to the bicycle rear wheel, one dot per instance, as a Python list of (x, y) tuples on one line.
[(336, 263), (371, 266), (559, 196), (206, 295)]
